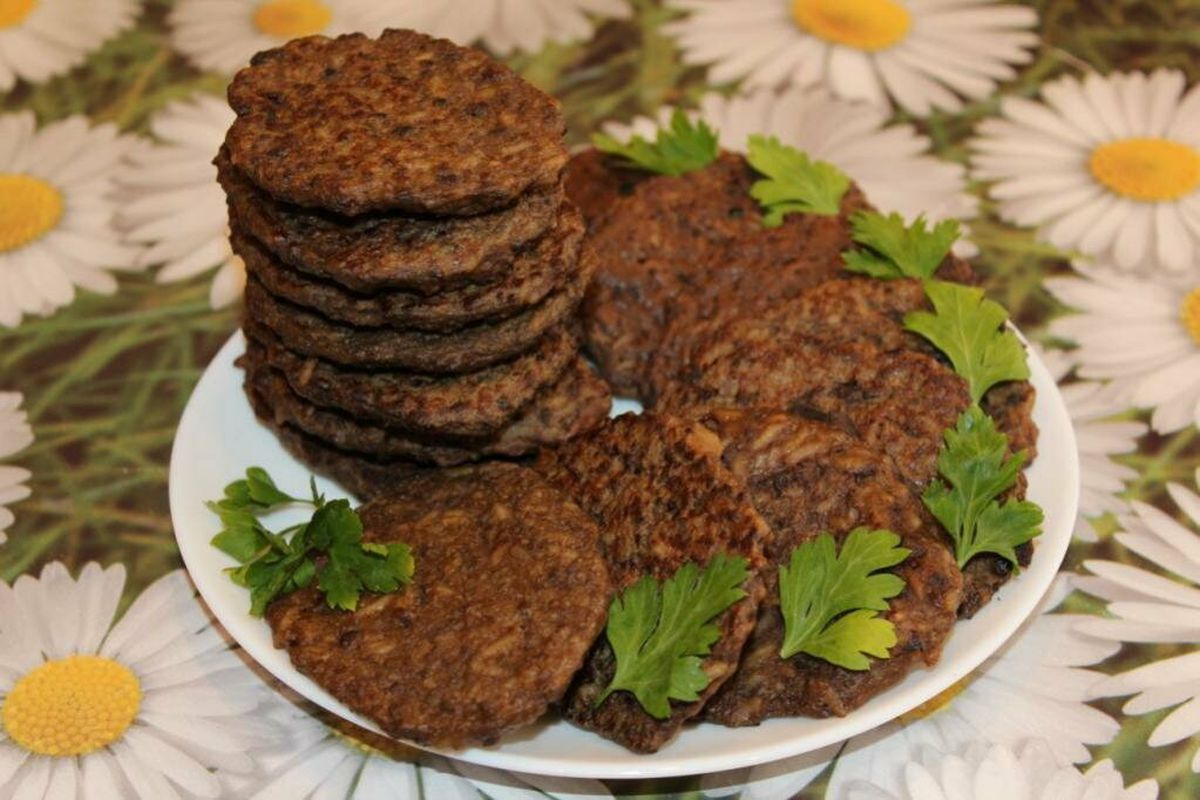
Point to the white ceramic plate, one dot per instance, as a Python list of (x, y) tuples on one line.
[(219, 438)]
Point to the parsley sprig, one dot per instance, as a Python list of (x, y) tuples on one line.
[(970, 330), (793, 182), (660, 632), (681, 147), (976, 470), (328, 547), (889, 248), (830, 600)]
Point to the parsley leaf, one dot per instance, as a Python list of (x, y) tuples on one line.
[(660, 633), (830, 601), (793, 182), (680, 148), (891, 249), (975, 471), (276, 563), (970, 330)]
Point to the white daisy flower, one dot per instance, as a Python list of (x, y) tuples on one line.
[(222, 35), (1108, 166), (43, 38), (1092, 406), (1143, 335), (923, 54), (1161, 606), (174, 202), (147, 708), (984, 773), (1034, 687), (56, 213), (15, 436), (339, 761), (505, 26), (890, 162)]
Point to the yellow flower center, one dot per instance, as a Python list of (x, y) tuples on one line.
[(1190, 314), (29, 207), (935, 703), (73, 706), (290, 19), (870, 25), (1147, 169), (14, 12)]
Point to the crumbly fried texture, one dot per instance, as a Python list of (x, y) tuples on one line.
[(656, 487), (806, 478), (466, 350), (404, 122), (899, 402), (508, 595), (389, 251), (475, 404), (362, 476), (549, 263), (683, 247), (576, 403)]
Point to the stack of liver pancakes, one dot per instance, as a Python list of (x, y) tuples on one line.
[(413, 264)]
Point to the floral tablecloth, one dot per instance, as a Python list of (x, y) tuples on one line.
[(1066, 135)]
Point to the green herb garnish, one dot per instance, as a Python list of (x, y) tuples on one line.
[(975, 472), (277, 563), (969, 329), (890, 249), (660, 632), (793, 182), (830, 600), (684, 146)]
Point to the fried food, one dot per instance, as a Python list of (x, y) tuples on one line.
[(657, 489), (682, 247), (381, 252), (537, 270), (508, 595), (404, 122), (474, 404), (577, 402), (465, 350), (807, 478)]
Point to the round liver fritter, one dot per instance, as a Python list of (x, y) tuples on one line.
[(536, 271), (404, 122), (577, 402), (508, 594), (656, 487), (688, 245), (473, 404), (466, 350), (388, 251), (807, 478)]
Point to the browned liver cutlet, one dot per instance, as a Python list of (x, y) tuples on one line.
[(508, 594), (475, 404), (381, 252), (467, 350), (538, 269), (577, 402), (806, 478), (656, 487), (404, 122), (683, 247), (839, 350)]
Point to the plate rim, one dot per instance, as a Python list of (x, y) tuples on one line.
[(879, 710)]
